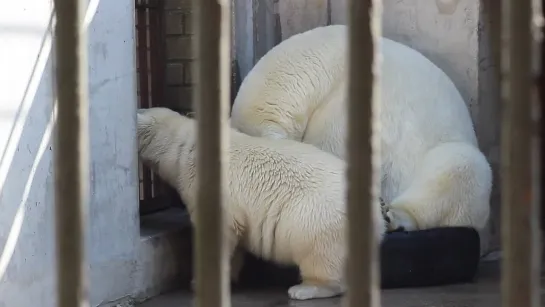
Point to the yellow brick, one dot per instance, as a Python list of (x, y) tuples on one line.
[(179, 48), (179, 97), (174, 22), (175, 73), (189, 68), (177, 4)]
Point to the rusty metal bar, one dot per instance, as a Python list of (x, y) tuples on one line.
[(538, 10), (143, 80), (364, 152), (156, 33), (521, 238), (71, 154), (212, 93)]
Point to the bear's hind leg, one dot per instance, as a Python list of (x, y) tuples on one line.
[(451, 188)]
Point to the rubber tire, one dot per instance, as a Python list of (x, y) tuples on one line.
[(423, 258)]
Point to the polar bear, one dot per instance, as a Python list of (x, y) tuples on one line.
[(432, 172), (286, 199)]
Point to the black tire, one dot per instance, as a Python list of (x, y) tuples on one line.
[(408, 259), (429, 257)]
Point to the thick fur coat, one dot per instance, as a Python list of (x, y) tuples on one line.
[(285, 199), (432, 172)]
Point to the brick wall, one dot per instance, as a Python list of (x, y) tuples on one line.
[(179, 55), (179, 69)]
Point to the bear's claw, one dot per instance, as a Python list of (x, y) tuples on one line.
[(385, 210)]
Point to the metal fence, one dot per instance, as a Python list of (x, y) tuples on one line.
[(521, 236), (521, 193), (150, 70)]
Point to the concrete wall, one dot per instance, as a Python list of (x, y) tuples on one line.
[(443, 30), (27, 250)]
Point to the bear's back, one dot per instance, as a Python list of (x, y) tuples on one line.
[(292, 76), (284, 164), (301, 86)]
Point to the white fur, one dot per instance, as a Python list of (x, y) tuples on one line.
[(286, 200), (433, 173)]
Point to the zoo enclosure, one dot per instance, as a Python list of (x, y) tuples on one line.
[(458, 43), (521, 181)]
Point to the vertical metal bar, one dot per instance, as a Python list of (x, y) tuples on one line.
[(520, 206), (538, 10), (488, 122), (157, 74), (71, 154), (212, 108), (364, 152), (157, 30), (328, 8), (143, 74), (266, 27)]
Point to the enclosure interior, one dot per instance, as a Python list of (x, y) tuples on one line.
[(165, 39)]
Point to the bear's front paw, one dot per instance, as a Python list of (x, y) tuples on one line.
[(384, 209), (398, 219)]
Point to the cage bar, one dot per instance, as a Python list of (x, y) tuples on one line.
[(143, 83), (71, 154), (520, 188), (212, 100), (150, 41), (156, 35), (363, 152)]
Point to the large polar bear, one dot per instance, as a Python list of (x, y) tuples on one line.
[(433, 173), (286, 200)]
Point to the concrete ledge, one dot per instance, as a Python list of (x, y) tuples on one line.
[(164, 256)]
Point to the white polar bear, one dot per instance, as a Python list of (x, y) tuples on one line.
[(433, 173), (286, 200)]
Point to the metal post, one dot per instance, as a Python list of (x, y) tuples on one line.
[(364, 152), (71, 152), (212, 106), (520, 189)]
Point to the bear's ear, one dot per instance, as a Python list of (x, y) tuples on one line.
[(143, 119)]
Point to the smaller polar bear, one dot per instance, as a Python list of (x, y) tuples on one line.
[(286, 200), (432, 172)]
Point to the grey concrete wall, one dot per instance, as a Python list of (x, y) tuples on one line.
[(27, 254), (445, 31)]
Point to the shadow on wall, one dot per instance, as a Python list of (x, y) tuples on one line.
[(27, 119), (26, 156)]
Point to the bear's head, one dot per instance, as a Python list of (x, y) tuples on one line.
[(164, 137)]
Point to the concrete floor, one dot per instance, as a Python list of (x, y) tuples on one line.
[(483, 293)]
